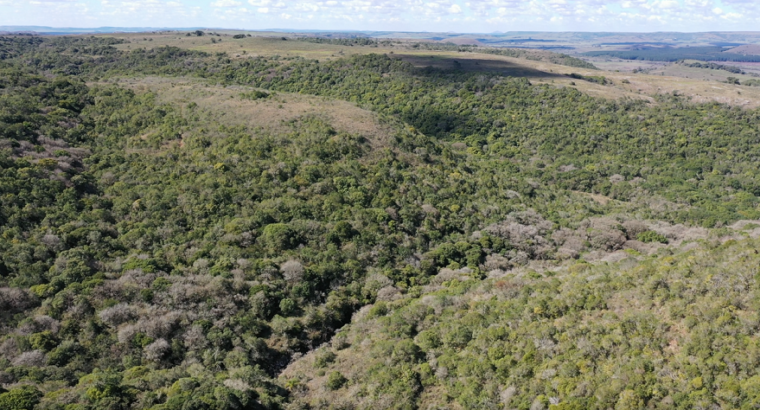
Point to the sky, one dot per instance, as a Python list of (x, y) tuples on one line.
[(473, 16)]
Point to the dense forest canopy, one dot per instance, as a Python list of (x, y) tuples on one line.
[(154, 256)]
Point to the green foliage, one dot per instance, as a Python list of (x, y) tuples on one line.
[(651, 236), (527, 342), (21, 398), (324, 358), (351, 41), (335, 380), (288, 307), (714, 66), (193, 257), (255, 95), (43, 341), (591, 78), (279, 237)]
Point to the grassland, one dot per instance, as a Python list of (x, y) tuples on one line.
[(228, 106)]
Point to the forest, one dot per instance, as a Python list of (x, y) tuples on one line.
[(494, 244)]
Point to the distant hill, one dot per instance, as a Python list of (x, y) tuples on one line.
[(752, 49), (677, 53), (81, 30)]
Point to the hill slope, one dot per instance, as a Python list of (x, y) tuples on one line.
[(668, 331), (177, 227)]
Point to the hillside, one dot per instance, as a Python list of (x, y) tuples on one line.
[(538, 66), (183, 229), (752, 49), (641, 332)]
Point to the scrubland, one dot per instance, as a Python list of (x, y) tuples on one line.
[(187, 230)]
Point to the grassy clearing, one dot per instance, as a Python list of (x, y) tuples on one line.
[(271, 114), (262, 45)]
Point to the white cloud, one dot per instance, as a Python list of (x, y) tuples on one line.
[(226, 3), (416, 15), (666, 4), (148, 10)]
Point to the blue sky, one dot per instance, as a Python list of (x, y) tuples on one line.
[(410, 15)]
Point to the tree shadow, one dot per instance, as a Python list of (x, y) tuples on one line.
[(474, 65)]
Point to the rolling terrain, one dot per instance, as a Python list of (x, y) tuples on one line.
[(284, 223), (699, 84)]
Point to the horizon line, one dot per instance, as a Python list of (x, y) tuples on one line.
[(315, 30)]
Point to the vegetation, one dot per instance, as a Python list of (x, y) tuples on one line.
[(599, 79), (714, 66), (583, 337), (351, 41), (156, 256)]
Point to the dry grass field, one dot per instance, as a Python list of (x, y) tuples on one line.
[(263, 44)]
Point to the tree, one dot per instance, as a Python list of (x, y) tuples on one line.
[(22, 398)]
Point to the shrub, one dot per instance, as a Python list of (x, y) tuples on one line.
[(607, 240), (288, 307), (118, 314), (634, 228), (379, 309), (406, 351), (157, 350), (22, 398), (292, 271), (458, 337), (34, 358), (62, 354), (428, 339), (278, 237), (254, 95), (43, 341), (336, 380), (14, 299), (342, 231), (324, 358), (651, 236)]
